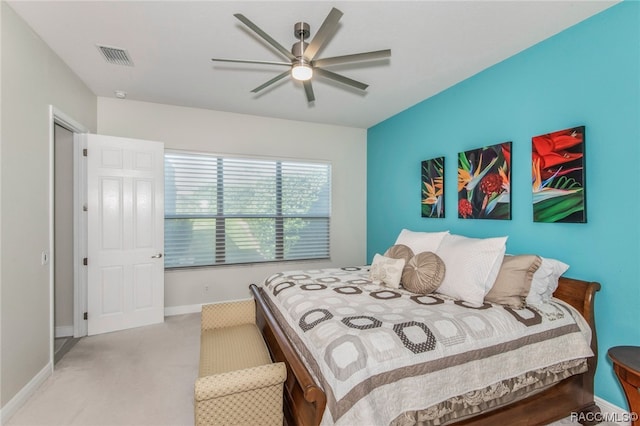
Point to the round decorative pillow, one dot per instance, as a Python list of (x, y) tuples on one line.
[(424, 273), (400, 251)]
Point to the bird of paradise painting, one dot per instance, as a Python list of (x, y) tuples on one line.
[(484, 188), (433, 188), (558, 183)]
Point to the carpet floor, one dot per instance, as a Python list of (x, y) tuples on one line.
[(142, 376), (137, 377)]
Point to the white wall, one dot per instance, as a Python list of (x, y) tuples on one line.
[(228, 133), (63, 230), (33, 78)]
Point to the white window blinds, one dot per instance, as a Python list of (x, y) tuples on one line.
[(221, 210)]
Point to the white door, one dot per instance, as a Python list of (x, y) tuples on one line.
[(125, 233)]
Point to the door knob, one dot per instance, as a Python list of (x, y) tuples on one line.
[(157, 256)]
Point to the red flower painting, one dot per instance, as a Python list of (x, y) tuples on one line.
[(484, 183)]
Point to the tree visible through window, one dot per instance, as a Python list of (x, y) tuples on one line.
[(221, 210)]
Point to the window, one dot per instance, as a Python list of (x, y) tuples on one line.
[(222, 210)]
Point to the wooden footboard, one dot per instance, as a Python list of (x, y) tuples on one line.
[(305, 401)]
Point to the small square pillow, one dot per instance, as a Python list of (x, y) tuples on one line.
[(400, 251), (424, 273), (387, 270), (421, 241), (472, 266), (545, 281), (514, 281)]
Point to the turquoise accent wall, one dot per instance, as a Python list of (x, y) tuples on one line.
[(587, 75)]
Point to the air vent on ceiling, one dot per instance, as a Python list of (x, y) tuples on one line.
[(115, 55)]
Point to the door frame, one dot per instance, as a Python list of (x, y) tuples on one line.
[(57, 116)]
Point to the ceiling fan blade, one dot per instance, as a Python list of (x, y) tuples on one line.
[(326, 30), (270, 82), (264, 35), (367, 56), (308, 90), (340, 78), (243, 61)]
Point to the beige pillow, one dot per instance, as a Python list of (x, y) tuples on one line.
[(514, 281), (424, 273), (386, 270), (400, 251)]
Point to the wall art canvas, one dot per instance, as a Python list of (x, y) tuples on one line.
[(484, 189), (558, 176), (433, 188)]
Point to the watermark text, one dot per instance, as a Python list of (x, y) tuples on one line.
[(604, 417)]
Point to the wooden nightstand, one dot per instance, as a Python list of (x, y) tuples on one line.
[(626, 364)]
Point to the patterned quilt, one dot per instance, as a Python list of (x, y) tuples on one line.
[(380, 353)]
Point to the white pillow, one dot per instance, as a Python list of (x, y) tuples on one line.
[(545, 281), (472, 266), (386, 269), (420, 242)]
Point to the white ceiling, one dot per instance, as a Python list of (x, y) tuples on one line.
[(434, 45)]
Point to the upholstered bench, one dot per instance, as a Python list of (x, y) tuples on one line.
[(237, 384)]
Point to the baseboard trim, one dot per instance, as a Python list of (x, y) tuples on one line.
[(190, 309), (612, 413), (25, 393), (181, 310), (64, 331)]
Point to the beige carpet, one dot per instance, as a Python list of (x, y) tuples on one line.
[(142, 376)]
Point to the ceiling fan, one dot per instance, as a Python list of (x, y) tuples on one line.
[(303, 63)]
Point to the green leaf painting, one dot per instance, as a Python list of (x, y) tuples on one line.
[(558, 176)]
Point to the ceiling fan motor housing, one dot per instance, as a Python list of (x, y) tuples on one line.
[(301, 31), (298, 48)]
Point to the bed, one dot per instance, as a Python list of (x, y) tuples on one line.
[(534, 395)]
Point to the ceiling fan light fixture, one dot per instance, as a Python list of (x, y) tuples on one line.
[(301, 72)]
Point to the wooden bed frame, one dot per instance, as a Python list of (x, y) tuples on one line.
[(305, 401)]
